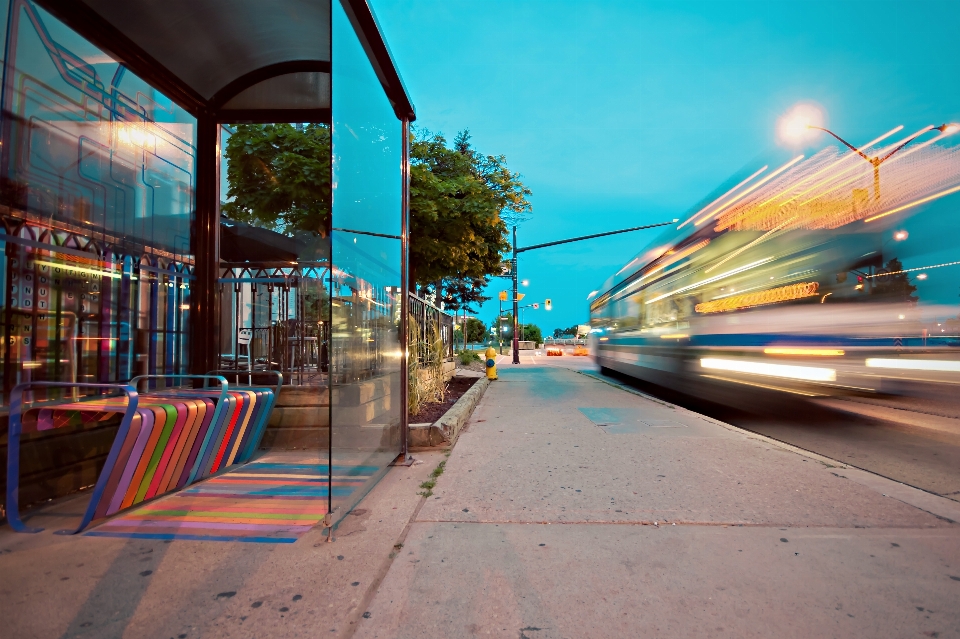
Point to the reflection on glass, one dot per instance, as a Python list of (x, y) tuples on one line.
[(365, 354), (275, 272), (96, 181)]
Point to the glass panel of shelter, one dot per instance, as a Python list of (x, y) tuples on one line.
[(274, 299), (97, 182), (98, 179), (366, 254), (98, 174)]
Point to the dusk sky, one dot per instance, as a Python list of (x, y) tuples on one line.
[(620, 114)]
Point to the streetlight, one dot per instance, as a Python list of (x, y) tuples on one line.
[(876, 161)]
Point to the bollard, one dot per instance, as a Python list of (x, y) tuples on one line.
[(491, 357)]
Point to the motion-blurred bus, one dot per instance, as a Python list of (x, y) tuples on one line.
[(818, 276)]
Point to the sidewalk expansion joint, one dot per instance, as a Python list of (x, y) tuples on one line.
[(364, 605)]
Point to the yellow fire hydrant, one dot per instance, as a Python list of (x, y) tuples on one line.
[(491, 357)]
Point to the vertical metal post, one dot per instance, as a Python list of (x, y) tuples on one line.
[(204, 317), (404, 288), (516, 336), (500, 327)]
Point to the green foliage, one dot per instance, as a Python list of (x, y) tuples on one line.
[(279, 177), (895, 287), (466, 357), (463, 293), (426, 383), (476, 330), (456, 199), (429, 485), (531, 333), (560, 332)]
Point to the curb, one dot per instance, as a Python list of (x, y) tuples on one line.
[(446, 429)]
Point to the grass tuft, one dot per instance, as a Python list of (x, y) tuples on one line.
[(429, 485)]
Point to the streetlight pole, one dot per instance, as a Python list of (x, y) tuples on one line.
[(516, 337), (516, 343), (876, 161)]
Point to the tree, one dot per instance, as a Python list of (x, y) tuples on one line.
[(532, 333), (461, 294), (279, 177), (560, 332), (891, 284), (476, 330), (456, 198)]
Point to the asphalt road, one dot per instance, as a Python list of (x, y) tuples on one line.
[(923, 455)]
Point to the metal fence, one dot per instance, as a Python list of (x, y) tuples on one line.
[(274, 318), (428, 317)]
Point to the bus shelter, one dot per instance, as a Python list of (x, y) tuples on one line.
[(117, 260)]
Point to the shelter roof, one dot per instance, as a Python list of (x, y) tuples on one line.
[(236, 59)]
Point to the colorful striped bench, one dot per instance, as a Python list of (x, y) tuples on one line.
[(168, 438)]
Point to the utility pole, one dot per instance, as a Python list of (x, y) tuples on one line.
[(516, 336), (516, 341)]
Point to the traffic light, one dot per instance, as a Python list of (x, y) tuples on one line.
[(503, 296), (520, 296), (536, 306), (548, 304)]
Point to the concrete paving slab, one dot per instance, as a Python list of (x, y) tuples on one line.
[(531, 455), (547, 581), (54, 586), (548, 524)]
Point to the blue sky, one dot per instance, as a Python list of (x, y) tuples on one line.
[(626, 113)]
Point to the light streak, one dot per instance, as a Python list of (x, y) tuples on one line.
[(938, 365), (748, 191), (910, 270), (814, 352), (808, 373), (754, 384), (628, 264), (922, 200), (760, 239), (673, 259), (851, 154), (723, 196), (713, 279), (890, 160), (674, 336), (772, 296), (80, 269)]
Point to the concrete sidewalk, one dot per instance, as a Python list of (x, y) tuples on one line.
[(573, 508), (106, 588)]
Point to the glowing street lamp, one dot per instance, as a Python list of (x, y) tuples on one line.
[(876, 161)]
